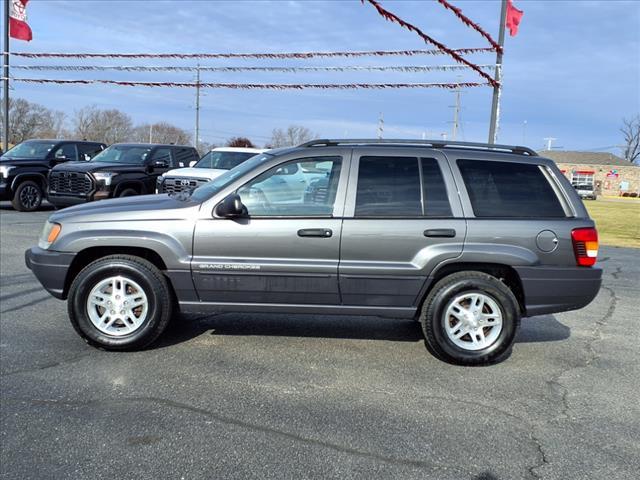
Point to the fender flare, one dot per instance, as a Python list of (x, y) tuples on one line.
[(19, 178)]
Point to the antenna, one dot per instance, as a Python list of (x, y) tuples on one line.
[(380, 125)]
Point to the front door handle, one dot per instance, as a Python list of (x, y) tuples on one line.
[(440, 233), (315, 232)]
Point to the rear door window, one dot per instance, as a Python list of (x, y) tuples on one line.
[(87, 151), (401, 187), (388, 187), (434, 190), (509, 189), (185, 155), (66, 151), (163, 155)]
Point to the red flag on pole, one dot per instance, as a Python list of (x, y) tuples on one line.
[(18, 26), (513, 18)]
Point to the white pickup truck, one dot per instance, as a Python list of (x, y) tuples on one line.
[(211, 165)]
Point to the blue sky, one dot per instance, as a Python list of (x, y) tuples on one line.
[(572, 72)]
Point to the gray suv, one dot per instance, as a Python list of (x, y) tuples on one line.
[(465, 238)]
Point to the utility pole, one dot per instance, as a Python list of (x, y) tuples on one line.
[(5, 79), (197, 132), (150, 133), (524, 132), (456, 115), (549, 141), (380, 126), (497, 90)]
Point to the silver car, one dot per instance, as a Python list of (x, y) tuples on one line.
[(465, 238)]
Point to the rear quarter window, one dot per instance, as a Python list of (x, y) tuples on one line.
[(509, 189)]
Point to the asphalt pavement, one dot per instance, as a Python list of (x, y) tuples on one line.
[(263, 396)]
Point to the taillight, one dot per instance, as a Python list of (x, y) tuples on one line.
[(585, 245)]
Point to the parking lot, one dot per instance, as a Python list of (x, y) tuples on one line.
[(284, 396)]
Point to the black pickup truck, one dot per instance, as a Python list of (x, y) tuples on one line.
[(122, 170), (25, 167)]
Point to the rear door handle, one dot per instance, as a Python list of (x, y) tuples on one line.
[(315, 232), (440, 233)]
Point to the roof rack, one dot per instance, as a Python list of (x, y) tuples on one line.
[(432, 143)]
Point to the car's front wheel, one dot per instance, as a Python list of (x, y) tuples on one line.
[(120, 302), (27, 197), (470, 318)]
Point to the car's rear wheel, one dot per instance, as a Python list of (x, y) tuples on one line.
[(120, 302), (470, 318), (27, 197)]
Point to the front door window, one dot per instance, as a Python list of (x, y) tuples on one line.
[(301, 188)]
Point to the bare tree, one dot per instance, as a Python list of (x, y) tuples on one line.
[(204, 147), (293, 135), (631, 132), (161, 132), (31, 120), (240, 142), (108, 126)]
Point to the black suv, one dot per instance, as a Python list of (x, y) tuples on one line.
[(24, 168), (121, 170)]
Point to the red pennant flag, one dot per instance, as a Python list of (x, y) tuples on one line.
[(513, 18), (18, 26)]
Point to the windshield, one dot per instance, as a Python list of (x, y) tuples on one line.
[(126, 154), (30, 149), (209, 189), (223, 160)]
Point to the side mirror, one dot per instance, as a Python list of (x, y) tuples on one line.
[(192, 163), (231, 207), (60, 159), (160, 164)]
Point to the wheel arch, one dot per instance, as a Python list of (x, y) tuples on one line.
[(136, 185), (91, 254), (505, 273), (22, 177)]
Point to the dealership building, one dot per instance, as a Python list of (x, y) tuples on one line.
[(610, 174)]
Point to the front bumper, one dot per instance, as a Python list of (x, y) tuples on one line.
[(5, 191), (50, 268), (62, 201), (556, 289)]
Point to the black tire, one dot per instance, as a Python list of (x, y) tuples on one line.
[(147, 276), (27, 197), (434, 310), (128, 192)]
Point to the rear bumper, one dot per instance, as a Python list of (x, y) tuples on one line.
[(554, 290), (50, 268)]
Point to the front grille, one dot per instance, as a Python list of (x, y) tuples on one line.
[(180, 184), (70, 183)]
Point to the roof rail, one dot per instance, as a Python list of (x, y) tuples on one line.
[(432, 143)]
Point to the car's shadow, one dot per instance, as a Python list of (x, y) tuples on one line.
[(185, 327), (45, 207)]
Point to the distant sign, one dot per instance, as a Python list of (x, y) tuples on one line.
[(613, 174)]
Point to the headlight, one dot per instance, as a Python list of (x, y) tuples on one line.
[(5, 169), (50, 232), (104, 177)]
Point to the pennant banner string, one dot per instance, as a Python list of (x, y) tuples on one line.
[(470, 23), (256, 86), (159, 68), (298, 55), (392, 17)]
